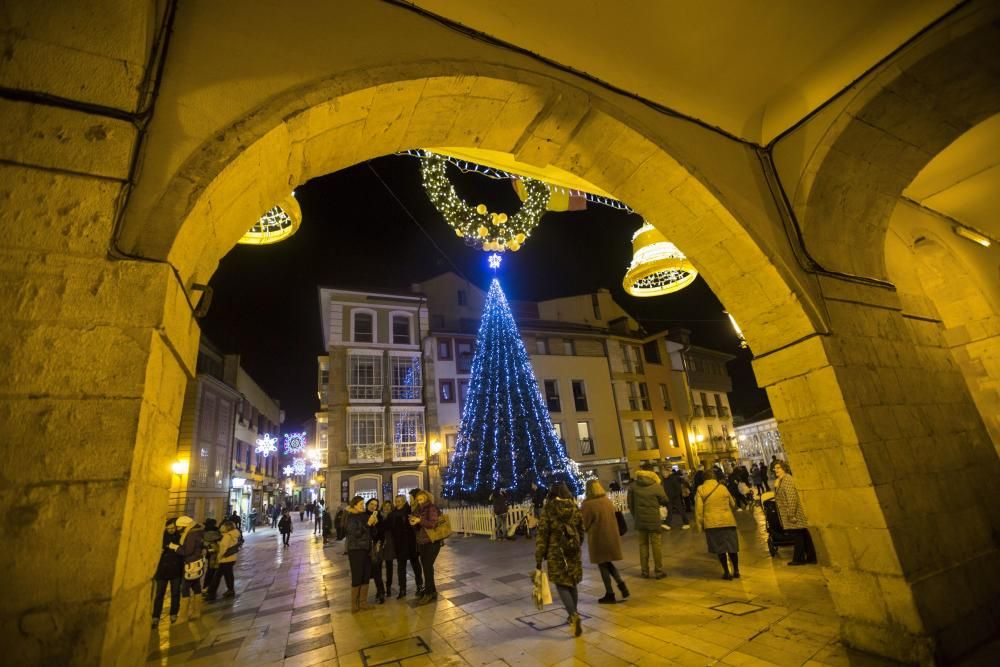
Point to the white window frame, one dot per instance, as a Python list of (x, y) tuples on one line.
[(581, 441), (396, 476), (378, 485), (366, 452), (368, 311), (393, 314), (396, 392), (373, 391), (409, 450), (586, 399)]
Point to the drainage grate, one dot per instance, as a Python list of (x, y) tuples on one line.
[(395, 651), (737, 608)]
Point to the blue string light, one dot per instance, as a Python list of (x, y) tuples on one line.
[(506, 437)]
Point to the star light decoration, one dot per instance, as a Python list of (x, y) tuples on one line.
[(295, 442), (266, 445), (494, 261), (288, 470), (477, 225)]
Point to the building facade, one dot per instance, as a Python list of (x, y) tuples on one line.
[(372, 388), (760, 441)]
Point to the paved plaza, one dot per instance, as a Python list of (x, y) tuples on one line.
[(292, 609)]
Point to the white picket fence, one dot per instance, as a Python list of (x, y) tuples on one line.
[(480, 520)]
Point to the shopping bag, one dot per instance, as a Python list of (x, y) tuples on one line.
[(512, 529), (542, 594)]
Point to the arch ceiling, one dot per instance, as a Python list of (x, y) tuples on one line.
[(762, 80)]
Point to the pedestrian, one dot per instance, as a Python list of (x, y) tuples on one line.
[(228, 549), (604, 544), (285, 527), (698, 479), (645, 497), (318, 517), (714, 512), (302, 512), (327, 522), (499, 500), (210, 538), (673, 486), (340, 521), (377, 529), (793, 516), (686, 498), (253, 520), (425, 515), (388, 548), (559, 541), (757, 478), (537, 499), (359, 544), (732, 485), (275, 515), (401, 546), (190, 548), (169, 572)]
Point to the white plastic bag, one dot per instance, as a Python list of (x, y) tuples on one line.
[(542, 593)]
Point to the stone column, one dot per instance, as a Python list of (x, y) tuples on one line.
[(96, 351), (897, 474)]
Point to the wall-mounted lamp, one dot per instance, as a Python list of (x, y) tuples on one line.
[(435, 447), (179, 467), (973, 236)]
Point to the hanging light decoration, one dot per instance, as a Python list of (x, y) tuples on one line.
[(657, 267), (739, 332), (481, 228), (277, 224)]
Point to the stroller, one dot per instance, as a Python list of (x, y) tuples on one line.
[(776, 535)]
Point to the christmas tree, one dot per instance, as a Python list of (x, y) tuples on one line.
[(506, 438)]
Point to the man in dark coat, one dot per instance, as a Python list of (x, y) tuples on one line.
[(673, 486)]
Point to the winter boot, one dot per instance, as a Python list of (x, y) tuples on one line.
[(609, 598), (363, 597), (182, 615), (355, 599), (623, 588), (402, 592)]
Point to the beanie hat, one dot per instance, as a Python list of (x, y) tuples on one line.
[(184, 521)]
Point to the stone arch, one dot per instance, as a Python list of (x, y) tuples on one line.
[(335, 123), (897, 121)]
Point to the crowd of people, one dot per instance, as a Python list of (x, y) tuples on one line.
[(382, 541)]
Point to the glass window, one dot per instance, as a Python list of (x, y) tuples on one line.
[(407, 435), (568, 348), (444, 348), (644, 395), (449, 445), (704, 399), (364, 428), (672, 427), (552, 395), (364, 328), (405, 376), (447, 391), (541, 346), (651, 434), (652, 351), (461, 297), (463, 394), (639, 435), (633, 395), (586, 441), (364, 376), (463, 356), (718, 404), (557, 427), (665, 397), (579, 396), (400, 330)]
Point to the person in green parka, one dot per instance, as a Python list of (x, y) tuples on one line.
[(559, 540)]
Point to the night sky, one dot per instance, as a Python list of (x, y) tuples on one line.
[(356, 234)]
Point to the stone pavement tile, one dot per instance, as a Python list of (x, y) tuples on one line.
[(218, 647), (308, 633), (321, 648), (309, 623), (274, 617), (739, 659), (773, 654)]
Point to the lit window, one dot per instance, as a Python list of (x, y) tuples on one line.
[(444, 348), (365, 436), (586, 441), (447, 391), (404, 374), (644, 395), (407, 435), (463, 356), (364, 377)]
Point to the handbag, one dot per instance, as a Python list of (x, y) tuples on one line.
[(195, 569), (541, 593), (441, 531), (622, 526)]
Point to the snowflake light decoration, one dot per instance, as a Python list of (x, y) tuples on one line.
[(299, 466), (288, 470), (295, 442), (267, 445), (494, 261)]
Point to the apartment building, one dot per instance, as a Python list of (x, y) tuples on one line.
[(371, 388)]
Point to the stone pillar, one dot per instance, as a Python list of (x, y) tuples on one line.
[(95, 355), (897, 474)]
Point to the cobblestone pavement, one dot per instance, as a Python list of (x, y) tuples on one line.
[(292, 609)]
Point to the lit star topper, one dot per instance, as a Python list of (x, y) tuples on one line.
[(494, 261)]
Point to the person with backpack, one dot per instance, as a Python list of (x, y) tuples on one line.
[(169, 571), (229, 547), (645, 497), (604, 542), (425, 516), (191, 551), (559, 541), (285, 527)]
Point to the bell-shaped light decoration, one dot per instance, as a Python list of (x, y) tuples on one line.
[(277, 224), (657, 267)]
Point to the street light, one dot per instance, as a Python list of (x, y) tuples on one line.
[(180, 467)]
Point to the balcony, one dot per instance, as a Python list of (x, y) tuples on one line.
[(587, 447), (710, 411), (366, 453), (697, 411), (723, 412), (364, 392), (408, 451)]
